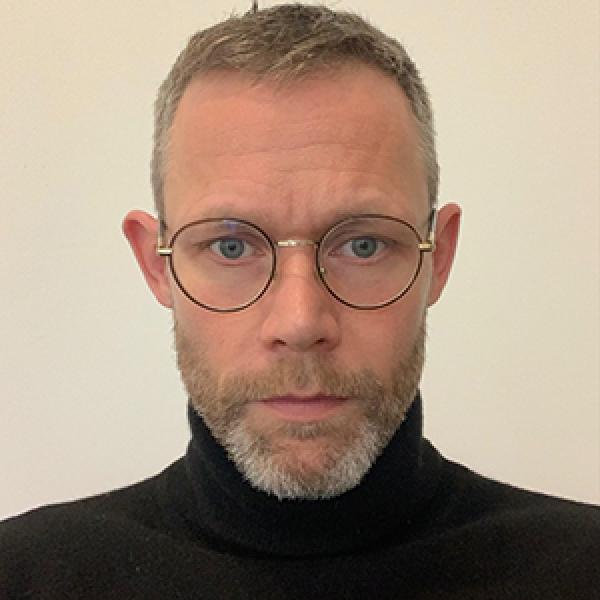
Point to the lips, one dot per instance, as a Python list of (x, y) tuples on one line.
[(304, 408)]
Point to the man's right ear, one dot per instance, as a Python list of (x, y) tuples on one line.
[(141, 230)]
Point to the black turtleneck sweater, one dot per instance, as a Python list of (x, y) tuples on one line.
[(417, 527)]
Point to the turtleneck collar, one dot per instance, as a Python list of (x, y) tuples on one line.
[(234, 514)]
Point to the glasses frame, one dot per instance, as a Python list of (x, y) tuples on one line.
[(427, 245)]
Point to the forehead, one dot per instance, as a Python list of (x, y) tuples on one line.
[(237, 144)]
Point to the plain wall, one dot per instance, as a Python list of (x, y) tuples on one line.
[(90, 396)]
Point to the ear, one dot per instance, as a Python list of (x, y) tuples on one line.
[(141, 230), (446, 237)]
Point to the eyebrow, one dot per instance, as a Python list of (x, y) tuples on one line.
[(365, 207)]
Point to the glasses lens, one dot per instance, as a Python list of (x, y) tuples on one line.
[(222, 264), (369, 261)]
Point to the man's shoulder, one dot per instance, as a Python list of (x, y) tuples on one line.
[(476, 501), (509, 539), (134, 506), (92, 547)]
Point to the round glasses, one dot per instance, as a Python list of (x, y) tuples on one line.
[(366, 262)]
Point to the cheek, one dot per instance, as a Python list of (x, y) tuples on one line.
[(223, 340), (379, 339)]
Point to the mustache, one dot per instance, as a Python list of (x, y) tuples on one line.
[(304, 374), (224, 398), (233, 394)]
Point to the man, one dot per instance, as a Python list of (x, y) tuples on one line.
[(298, 245)]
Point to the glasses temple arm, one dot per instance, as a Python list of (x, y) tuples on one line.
[(432, 221), (161, 248)]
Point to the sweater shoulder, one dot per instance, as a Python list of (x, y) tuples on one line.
[(471, 499), (134, 506), (70, 549), (491, 492)]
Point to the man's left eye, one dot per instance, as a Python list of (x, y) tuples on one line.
[(363, 247)]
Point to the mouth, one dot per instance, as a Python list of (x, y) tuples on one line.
[(304, 408)]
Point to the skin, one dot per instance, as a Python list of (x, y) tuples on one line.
[(294, 160)]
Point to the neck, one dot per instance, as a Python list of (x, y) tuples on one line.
[(233, 513)]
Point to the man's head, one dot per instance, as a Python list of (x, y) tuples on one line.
[(286, 43), (303, 390)]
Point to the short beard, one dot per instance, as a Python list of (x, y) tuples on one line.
[(347, 445)]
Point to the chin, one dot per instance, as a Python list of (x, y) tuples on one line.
[(305, 461)]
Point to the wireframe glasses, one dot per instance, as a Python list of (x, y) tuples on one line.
[(365, 262)]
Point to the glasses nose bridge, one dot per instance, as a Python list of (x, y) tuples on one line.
[(296, 243), (300, 243)]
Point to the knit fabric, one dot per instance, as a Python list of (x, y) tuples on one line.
[(418, 526)]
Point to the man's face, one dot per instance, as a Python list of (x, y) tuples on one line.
[(303, 391)]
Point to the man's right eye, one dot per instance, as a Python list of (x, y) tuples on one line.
[(232, 248)]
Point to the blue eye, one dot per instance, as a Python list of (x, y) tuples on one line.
[(231, 248), (364, 247)]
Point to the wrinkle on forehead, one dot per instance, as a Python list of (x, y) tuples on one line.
[(213, 101), (317, 136)]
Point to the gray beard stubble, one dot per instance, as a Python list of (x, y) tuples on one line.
[(352, 445)]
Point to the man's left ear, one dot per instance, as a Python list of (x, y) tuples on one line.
[(448, 225)]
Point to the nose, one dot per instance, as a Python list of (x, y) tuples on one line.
[(301, 314)]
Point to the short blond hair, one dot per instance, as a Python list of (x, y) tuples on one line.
[(285, 43)]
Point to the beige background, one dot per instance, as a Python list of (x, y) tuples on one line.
[(90, 397)]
